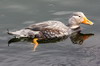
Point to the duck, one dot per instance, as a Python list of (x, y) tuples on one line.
[(52, 28)]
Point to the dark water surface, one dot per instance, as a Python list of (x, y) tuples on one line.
[(16, 14)]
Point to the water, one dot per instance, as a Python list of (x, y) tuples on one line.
[(17, 14)]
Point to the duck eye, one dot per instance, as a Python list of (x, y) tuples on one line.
[(79, 16)]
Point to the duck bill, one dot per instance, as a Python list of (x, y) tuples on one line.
[(86, 21)]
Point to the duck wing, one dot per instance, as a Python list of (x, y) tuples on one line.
[(57, 25), (47, 29), (50, 29)]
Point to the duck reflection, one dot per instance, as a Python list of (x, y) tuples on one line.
[(76, 38), (79, 38)]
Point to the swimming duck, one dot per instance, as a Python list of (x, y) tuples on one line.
[(52, 29)]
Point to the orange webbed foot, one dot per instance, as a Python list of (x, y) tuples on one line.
[(36, 43)]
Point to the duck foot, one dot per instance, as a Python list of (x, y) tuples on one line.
[(35, 43)]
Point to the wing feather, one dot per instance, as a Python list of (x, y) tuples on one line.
[(50, 29)]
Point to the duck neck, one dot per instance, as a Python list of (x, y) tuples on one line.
[(73, 27)]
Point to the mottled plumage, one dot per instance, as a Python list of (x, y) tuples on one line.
[(44, 30)]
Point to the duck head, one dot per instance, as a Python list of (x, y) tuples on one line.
[(78, 18)]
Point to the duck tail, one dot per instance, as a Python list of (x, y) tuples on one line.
[(22, 33), (11, 33), (8, 32)]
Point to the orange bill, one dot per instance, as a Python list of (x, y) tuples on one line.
[(86, 21)]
